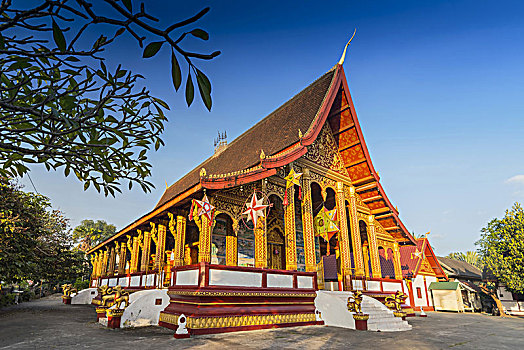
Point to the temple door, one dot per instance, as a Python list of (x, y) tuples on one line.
[(275, 250)]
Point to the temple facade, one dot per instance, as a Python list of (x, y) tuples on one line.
[(321, 209)]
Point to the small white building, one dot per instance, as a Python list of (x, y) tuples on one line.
[(513, 303)]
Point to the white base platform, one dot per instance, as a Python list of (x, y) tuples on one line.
[(85, 296), (142, 310), (334, 312)]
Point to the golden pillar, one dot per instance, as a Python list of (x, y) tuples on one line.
[(204, 242), (307, 223), (145, 251), (355, 233), (180, 238), (94, 262), (161, 246), (343, 234), (105, 259), (290, 232), (373, 248), (260, 243), (396, 261), (365, 252), (135, 251), (111, 262), (99, 259), (122, 257)]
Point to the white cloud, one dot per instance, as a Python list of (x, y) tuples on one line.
[(517, 179)]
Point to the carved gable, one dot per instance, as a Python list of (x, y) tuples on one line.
[(324, 152)]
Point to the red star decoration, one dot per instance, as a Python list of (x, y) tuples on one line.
[(255, 209)]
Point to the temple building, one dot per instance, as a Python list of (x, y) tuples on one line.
[(296, 194)]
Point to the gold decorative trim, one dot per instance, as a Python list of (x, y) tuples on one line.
[(247, 303), (361, 317), (114, 312), (238, 321), (242, 294)]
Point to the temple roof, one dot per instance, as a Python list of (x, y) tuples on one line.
[(460, 269), (412, 264), (272, 134), (284, 136)]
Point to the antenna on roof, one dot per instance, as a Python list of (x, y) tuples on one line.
[(341, 61), (220, 142)]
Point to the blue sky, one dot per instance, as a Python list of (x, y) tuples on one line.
[(438, 88)]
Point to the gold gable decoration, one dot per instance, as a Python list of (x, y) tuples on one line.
[(324, 152)]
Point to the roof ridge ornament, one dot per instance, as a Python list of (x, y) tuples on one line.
[(341, 61)]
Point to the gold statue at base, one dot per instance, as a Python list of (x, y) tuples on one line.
[(355, 302), (68, 289), (113, 296), (395, 301)]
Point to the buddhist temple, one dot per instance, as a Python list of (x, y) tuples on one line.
[(291, 206)]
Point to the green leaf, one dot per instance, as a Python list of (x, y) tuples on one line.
[(128, 5), (190, 90), (204, 86), (199, 33), (160, 102), (152, 48), (176, 74), (59, 37)]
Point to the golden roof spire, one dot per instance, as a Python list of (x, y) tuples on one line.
[(341, 61)]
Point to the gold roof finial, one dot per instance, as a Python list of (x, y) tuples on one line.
[(203, 172), (341, 61), (300, 134), (262, 154)]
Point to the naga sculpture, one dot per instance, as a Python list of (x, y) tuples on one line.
[(113, 296), (355, 302), (68, 289), (395, 301)]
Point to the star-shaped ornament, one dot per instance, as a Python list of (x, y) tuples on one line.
[(325, 223), (255, 209), (293, 178), (205, 208)]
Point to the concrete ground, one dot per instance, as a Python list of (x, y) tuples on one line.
[(48, 324)]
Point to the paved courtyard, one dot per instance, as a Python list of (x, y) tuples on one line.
[(48, 324)]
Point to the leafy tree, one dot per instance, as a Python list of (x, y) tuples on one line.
[(89, 233), (61, 106), (501, 247), (470, 257), (34, 239)]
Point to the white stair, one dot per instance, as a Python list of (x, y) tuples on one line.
[(334, 312)]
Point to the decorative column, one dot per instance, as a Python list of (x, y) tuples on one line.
[(204, 242), (290, 235), (122, 259), (355, 233), (231, 246), (180, 238), (365, 252), (145, 251), (307, 223), (94, 262), (111, 262), (373, 248), (135, 251), (261, 243), (99, 264), (343, 234), (105, 258), (160, 246), (396, 261)]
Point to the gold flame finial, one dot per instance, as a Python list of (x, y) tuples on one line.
[(345, 48)]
